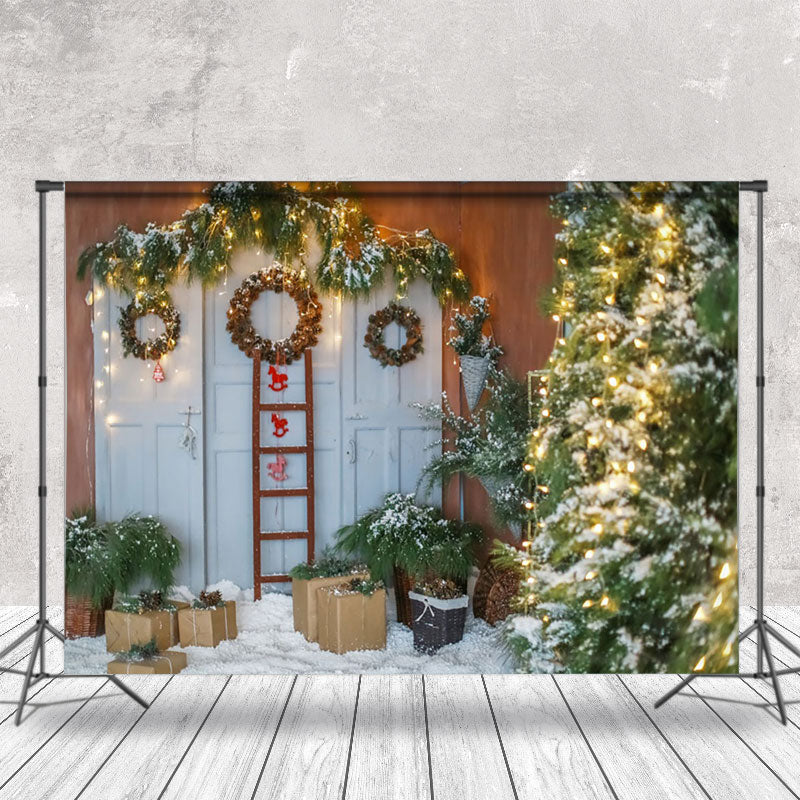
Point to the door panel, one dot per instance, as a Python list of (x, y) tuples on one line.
[(140, 467), (386, 443), (228, 387)]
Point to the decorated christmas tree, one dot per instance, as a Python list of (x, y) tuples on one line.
[(630, 561)]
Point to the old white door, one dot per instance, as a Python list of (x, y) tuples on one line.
[(228, 422), (140, 467), (368, 440), (386, 442)]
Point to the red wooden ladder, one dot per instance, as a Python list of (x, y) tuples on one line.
[(259, 535)]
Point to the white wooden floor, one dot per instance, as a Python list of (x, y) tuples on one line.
[(460, 737)]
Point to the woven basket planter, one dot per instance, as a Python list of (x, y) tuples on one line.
[(81, 618), (437, 622), (402, 586), (474, 370)]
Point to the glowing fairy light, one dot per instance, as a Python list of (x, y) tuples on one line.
[(725, 571)]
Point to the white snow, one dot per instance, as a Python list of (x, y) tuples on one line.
[(267, 644)]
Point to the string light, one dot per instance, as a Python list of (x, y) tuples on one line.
[(640, 344), (613, 382), (597, 528), (700, 664), (725, 571), (587, 603), (596, 401)]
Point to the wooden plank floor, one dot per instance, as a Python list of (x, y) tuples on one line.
[(404, 737)]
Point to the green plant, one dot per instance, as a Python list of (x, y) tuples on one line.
[(142, 548), (633, 565), (88, 569), (328, 565), (469, 339), (491, 446), (366, 587), (139, 652), (410, 536)]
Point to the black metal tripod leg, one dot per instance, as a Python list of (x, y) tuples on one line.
[(56, 632), (17, 642), (746, 632), (775, 682), (674, 690), (782, 639), (26, 684), (117, 682)]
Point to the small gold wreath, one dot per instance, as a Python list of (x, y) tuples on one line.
[(155, 348), (309, 311), (406, 318)]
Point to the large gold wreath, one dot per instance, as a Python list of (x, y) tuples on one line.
[(309, 311)]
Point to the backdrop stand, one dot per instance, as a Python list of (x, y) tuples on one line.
[(762, 628), (43, 626)]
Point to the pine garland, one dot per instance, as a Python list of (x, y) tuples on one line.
[(356, 254)]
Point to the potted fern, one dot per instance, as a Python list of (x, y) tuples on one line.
[(476, 351), (89, 575), (410, 541), (104, 559)]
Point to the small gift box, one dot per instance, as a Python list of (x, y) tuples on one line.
[(208, 622), (131, 623), (352, 616), (169, 662), (304, 601)]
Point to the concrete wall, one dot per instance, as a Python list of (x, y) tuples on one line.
[(448, 91)]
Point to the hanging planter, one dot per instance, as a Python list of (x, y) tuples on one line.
[(474, 370), (476, 351)]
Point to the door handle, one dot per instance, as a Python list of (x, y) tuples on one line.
[(351, 451)]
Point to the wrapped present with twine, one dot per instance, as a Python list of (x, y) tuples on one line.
[(131, 623), (147, 660), (352, 616), (304, 601), (209, 621)]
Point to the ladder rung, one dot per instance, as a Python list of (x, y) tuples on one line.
[(278, 450), (273, 578), (283, 406), (283, 492), (267, 536)]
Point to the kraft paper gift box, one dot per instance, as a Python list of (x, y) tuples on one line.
[(207, 627), (167, 663), (349, 620), (125, 629), (304, 601)]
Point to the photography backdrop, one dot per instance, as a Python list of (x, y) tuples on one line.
[(603, 452), (588, 94)]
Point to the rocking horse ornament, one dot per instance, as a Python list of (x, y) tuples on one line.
[(281, 425)]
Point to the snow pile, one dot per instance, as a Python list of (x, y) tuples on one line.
[(268, 644)]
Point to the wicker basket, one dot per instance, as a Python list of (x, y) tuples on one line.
[(494, 592), (81, 618), (402, 586), (437, 622), (474, 370)]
